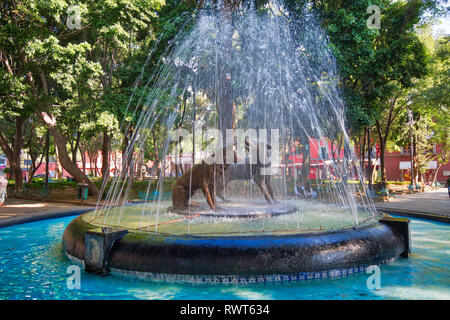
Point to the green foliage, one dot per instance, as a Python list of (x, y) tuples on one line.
[(14, 98), (430, 99), (93, 78), (398, 183), (68, 72)]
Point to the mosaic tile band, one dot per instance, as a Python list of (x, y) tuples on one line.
[(237, 279)]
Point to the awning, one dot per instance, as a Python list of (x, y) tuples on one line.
[(405, 165)]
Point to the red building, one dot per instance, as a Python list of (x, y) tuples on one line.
[(321, 157), (397, 163), (398, 166)]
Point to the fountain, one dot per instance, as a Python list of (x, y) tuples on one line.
[(248, 95)]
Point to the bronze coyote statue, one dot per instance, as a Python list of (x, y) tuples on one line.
[(200, 176), (213, 178), (247, 171)]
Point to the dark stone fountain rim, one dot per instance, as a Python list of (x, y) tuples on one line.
[(256, 255)]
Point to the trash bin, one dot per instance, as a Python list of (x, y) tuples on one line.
[(82, 191)]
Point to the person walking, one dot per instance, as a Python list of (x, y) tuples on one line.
[(447, 185), (3, 185)]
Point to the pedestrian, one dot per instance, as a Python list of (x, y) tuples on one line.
[(3, 185), (447, 184), (300, 190)]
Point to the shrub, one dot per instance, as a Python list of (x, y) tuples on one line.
[(399, 183)]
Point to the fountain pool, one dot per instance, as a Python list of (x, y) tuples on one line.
[(33, 266)]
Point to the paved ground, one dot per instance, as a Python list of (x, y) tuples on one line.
[(20, 211), (436, 203)]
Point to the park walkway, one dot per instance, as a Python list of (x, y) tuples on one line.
[(429, 203), (20, 211)]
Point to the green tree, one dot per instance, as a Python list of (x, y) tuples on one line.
[(15, 108), (377, 66), (66, 67), (431, 100)]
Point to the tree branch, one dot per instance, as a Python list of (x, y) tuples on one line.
[(5, 147), (63, 36)]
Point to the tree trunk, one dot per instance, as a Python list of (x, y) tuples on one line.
[(89, 153), (345, 164), (18, 174), (49, 120), (363, 157), (157, 160), (13, 154), (75, 149), (127, 151), (34, 167), (225, 101), (306, 162), (95, 166), (64, 158), (58, 166), (435, 174), (382, 163), (140, 165), (83, 160), (382, 152), (176, 170), (369, 159), (384, 139), (105, 157)]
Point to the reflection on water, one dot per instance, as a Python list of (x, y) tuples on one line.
[(401, 292)]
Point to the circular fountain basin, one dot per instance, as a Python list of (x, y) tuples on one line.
[(240, 256), (231, 209)]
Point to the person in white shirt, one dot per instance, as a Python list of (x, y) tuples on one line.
[(3, 185)]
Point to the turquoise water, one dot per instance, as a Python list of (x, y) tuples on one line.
[(33, 266)]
